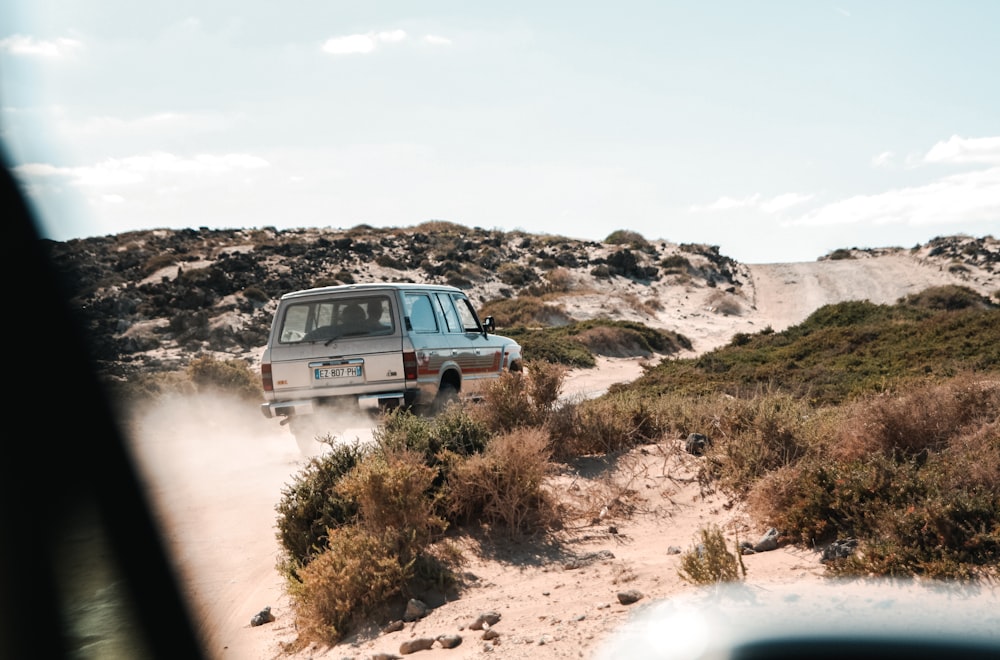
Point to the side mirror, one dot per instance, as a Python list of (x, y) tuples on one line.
[(489, 325)]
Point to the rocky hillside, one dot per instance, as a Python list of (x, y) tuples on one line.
[(152, 299)]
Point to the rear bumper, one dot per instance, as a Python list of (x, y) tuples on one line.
[(365, 402)]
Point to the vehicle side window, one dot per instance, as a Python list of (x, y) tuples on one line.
[(470, 322), (448, 311), (420, 312)]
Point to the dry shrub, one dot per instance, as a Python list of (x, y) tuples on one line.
[(392, 491), (614, 422), (544, 384), (232, 375), (932, 513), (354, 579), (525, 310), (503, 487), (923, 419), (370, 562), (755, 436), (614, 341), (505, 405), (709, 562), (637, 304), (559, 280), (521, 399), (606, 494), (725, 303), (975, 458)]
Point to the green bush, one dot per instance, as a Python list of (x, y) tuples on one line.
[(709, 562), (948, 297), (254, 294), (630, 238), (454, 431), (841, 352), (310, 506), (525, 311)]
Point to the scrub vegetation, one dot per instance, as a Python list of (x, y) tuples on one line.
[(875, 423)]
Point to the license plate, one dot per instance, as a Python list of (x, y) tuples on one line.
[(325, 373)]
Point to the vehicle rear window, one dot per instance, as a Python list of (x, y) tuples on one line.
[(326, 319)]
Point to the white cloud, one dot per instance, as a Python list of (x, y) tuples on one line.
[(436, 40), (884, 159), (391, 36), (965, 150), (361, 44), (960, 198), (137, 169), (726, 203), (782, 202), (31, 47), (769, 205)]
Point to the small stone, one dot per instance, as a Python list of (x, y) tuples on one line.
[(490, 634), (767, 542), (839, 549), (262, 617), (488, 618), (695, 444), (415, 610), (393, 626), (613, 530), (414, 645), (673, 550), (449, 641), (629, 597)]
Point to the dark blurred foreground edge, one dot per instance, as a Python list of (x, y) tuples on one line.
[(66, 455)]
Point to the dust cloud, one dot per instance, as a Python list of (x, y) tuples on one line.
[(214, 469)]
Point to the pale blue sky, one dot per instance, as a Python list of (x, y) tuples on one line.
[(778, 131)]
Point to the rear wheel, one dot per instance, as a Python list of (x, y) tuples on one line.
[(447, 394)]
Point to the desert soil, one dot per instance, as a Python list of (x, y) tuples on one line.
[(216, 472)]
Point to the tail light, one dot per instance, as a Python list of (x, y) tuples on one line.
[(265, 377), (410, 365)]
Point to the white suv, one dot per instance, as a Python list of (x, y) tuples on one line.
[(375, 346)]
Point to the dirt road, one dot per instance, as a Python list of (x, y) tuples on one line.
[(788, 293)]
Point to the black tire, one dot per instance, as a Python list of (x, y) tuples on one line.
[(447, 394)]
